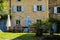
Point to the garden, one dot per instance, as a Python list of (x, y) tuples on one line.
[(43, 31)]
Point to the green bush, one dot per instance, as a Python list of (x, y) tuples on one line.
[(45, 24)]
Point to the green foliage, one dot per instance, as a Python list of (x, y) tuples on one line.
[(52, 20), (1, 1), (58, 22), (45, 24), (3, 5), (38, 24)]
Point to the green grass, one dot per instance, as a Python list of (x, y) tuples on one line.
[(23, 36), (14, 36)]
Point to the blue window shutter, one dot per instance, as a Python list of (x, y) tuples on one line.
[(35, 8), (55, 10), (22, 8), (14, 8), (43, 7)]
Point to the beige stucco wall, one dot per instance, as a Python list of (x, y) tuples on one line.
[(29, 11)]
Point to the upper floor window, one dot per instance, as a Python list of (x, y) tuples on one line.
[(38, 0), (18, 0), (18, 8), (56, 10), (39, 8)]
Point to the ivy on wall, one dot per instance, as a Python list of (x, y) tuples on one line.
[(4, 16)]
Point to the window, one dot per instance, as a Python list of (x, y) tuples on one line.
[(58, 9), (39, 0), (39, 8), (18, 8), (38, 20), (18, 0), (17, 22)]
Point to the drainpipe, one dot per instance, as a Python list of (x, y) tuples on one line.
[(9, 6), (56, 6)]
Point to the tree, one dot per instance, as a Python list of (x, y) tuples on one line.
[(44, 26), (3, 6), (39, 28)]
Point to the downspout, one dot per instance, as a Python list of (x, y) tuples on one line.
[(10, 7)]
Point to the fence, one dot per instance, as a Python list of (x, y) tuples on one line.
[(22, 29)]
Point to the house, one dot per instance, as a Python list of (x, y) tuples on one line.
[(54, 11), (35, 10), (27, 12), (54, 8)]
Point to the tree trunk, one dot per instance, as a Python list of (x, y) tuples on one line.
[(39, 32)]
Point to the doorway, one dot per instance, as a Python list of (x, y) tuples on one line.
[(3, 25)]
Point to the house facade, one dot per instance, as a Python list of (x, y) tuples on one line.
[(27, 12), (54, 11), (24, 10)]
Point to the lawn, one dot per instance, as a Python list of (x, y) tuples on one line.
[(15, 36), (20, 36)]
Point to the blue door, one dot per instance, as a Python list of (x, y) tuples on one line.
[(28, 22), (54, 27), (3, 25)]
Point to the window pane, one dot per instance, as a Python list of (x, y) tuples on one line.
[(17, 21), (58, 9), (18, 8), (38, 8), (38, 20)]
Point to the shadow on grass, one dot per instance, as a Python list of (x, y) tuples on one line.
[(55, 37), (27, 37)]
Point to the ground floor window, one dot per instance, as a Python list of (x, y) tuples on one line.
[(17, 22), (3, 25), (38, 20)]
